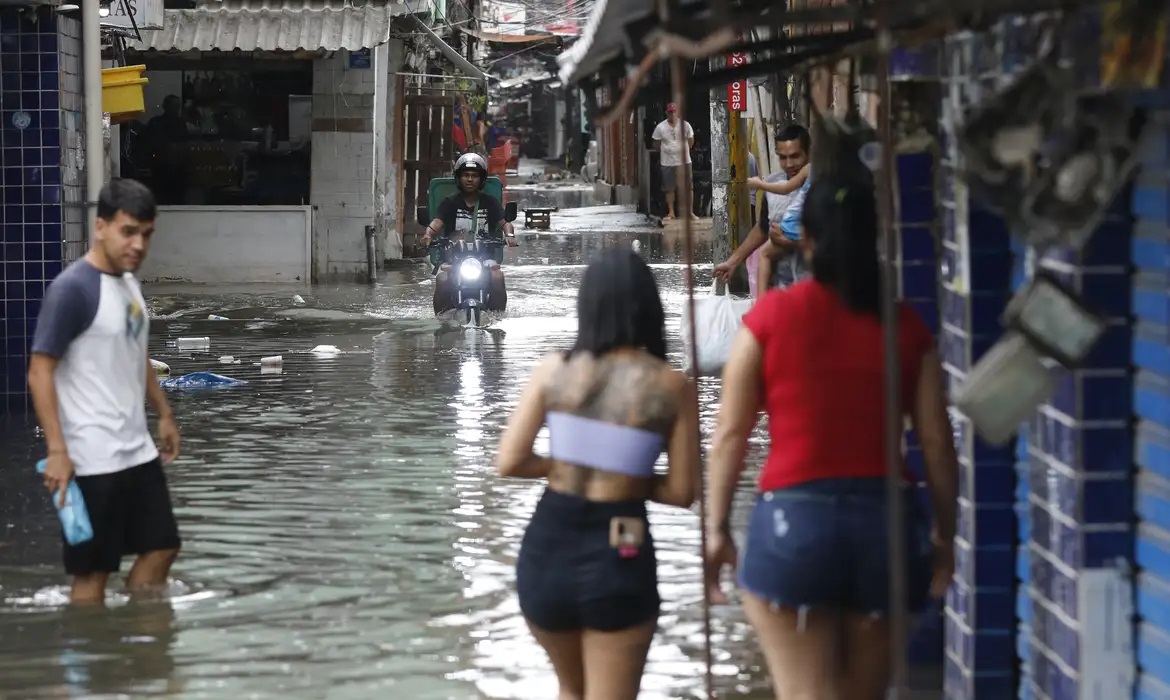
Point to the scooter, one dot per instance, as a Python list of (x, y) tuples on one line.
[(470, 273)]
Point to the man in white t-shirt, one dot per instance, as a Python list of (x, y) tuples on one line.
[(674, 150), (90, 377)]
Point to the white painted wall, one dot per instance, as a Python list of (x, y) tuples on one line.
[(232, 245)]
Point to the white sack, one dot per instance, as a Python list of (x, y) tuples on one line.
[(717, 321)]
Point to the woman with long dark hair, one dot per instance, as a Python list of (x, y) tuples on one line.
[(815, 570), (587, 574)]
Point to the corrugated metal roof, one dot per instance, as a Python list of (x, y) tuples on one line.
[(289, 4), (273, 29)]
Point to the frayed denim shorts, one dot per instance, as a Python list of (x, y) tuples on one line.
[(826, 544)]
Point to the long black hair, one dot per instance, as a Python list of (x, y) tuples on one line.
[(618, 306), (840, 217)]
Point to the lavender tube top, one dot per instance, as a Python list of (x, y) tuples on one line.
[(600, 445)]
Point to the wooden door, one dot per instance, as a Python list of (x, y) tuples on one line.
[(428, 150)]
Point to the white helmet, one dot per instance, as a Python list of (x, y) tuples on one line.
[(472, 161)]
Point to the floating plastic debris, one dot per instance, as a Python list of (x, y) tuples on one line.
[(277, 369), (201, 380), (273, 361), (228, 360), (193, 343), (213, 317), (161, 368), (326, 350), (298, 299)]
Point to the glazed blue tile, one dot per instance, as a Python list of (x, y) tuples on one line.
[(1153, 651), (1054, 633), (919, 280), (1048, 675), (1056, 582), (917, 243)]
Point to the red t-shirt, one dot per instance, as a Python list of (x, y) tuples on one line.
[(824, 383)]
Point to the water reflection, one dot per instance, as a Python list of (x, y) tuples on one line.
[(345, 534)]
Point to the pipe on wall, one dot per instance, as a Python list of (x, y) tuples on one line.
[(91, 70)]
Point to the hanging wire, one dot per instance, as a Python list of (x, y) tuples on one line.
[(684, 194)]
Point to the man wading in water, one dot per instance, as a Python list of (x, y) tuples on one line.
[(90, 377)]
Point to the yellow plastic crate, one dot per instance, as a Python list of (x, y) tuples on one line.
[(122, 90)]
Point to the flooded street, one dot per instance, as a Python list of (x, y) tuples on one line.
[(345, 534)]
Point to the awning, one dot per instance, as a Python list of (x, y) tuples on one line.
[(452, 55), (494, 38), (239, 28), (509, 83), (603, 40)]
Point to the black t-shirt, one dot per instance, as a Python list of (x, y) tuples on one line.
[(456, 215)]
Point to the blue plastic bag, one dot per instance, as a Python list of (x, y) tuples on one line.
[(200, 380), (74, 516)]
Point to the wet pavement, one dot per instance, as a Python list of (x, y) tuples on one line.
[(345, 533)]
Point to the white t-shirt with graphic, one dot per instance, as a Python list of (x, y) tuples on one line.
[(673, 148), (97, 325)]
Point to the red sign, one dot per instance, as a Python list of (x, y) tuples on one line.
[(737, 91)]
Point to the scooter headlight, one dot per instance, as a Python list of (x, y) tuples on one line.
[(470, 269)]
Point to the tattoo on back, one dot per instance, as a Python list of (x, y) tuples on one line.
[(625, 389)]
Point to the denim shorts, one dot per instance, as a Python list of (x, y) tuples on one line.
[(569, 578), (826, 544)]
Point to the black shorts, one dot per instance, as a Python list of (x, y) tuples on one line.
[(131, 514), (569, 578)]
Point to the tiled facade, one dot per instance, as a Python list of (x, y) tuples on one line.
[(40, 173), (975, 264), (1150, 252), (1038, 523)]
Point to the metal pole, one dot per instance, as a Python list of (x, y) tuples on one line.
[(91, 71), (683, 193), (894, 414)]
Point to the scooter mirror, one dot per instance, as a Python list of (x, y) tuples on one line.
[(510, 211), (422, 216)]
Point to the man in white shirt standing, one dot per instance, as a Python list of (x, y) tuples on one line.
[(90, 377), (674, 149)]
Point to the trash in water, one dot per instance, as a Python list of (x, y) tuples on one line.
[(325, 350), (228, 360), (213, 317), (160, 367), (637, 246), (193, 343), (274, 361), (201, 380), (298, 299), (271, 369)]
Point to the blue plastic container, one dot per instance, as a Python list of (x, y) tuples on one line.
[(74, 517)]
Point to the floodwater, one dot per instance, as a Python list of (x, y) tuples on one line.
[(345, 533)]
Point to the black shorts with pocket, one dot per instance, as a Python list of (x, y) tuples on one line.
[(570, 578), (131, 513)]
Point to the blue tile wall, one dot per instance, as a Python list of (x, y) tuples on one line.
[(1150, 255), (32, 218), (918, 286), (976, 270)]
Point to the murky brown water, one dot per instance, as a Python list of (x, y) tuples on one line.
[(345, 533)]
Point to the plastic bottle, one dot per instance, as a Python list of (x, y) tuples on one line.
[(74, 516)]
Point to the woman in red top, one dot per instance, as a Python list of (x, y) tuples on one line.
[(815, 571)]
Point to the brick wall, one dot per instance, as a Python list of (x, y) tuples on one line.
[(342, 179), (39, 165)]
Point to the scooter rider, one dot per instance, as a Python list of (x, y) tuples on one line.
[(454, 217)]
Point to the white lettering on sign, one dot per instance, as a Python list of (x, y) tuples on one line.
[(737, 91)]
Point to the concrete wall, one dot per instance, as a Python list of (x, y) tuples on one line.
[(342, 188), (391, 193), (39, 66), (212, 245)]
